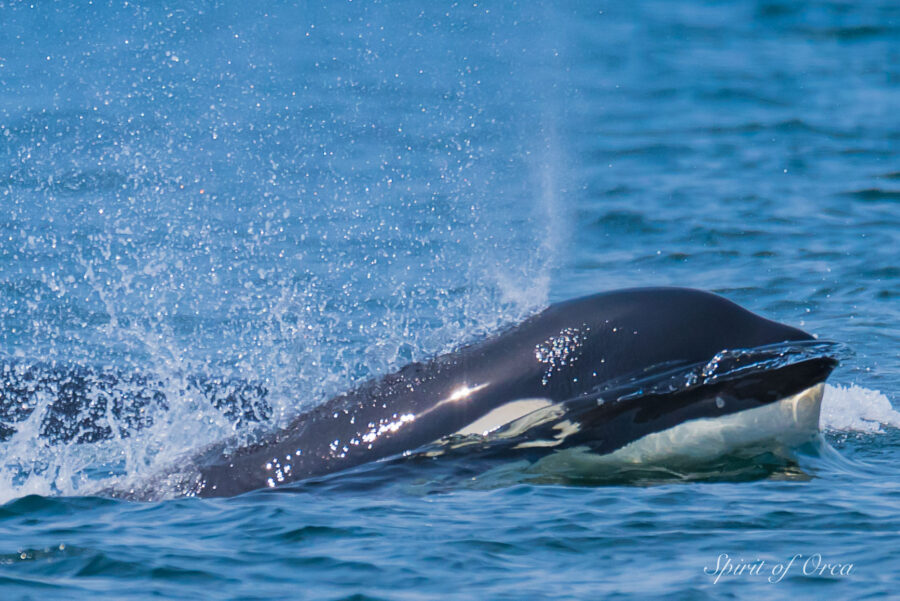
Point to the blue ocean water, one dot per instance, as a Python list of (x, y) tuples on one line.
[(311, 195)]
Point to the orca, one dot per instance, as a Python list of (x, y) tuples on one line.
[(634, 375)]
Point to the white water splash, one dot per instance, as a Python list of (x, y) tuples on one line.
[(857, 409)]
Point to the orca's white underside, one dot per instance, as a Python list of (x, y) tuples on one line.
[(787, 423)]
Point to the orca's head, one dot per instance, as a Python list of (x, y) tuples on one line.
[(633, 363), (592, 340)]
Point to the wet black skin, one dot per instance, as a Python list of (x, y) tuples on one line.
[(602, 338), (571, 353)]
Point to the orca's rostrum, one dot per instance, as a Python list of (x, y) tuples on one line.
[(637, 375)]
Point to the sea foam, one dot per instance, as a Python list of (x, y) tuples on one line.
[(857, 409)]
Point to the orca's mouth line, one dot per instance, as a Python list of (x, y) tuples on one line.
[(615, 415), (726, 365)]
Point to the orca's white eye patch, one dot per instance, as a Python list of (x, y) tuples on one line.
[(503, 415)]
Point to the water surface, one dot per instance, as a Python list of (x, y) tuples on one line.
[(313, 195)]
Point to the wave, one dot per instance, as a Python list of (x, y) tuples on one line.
[(856, 409)]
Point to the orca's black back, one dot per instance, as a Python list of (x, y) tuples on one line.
[(568, 349)]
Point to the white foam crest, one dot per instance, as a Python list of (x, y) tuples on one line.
[(857, 409)]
